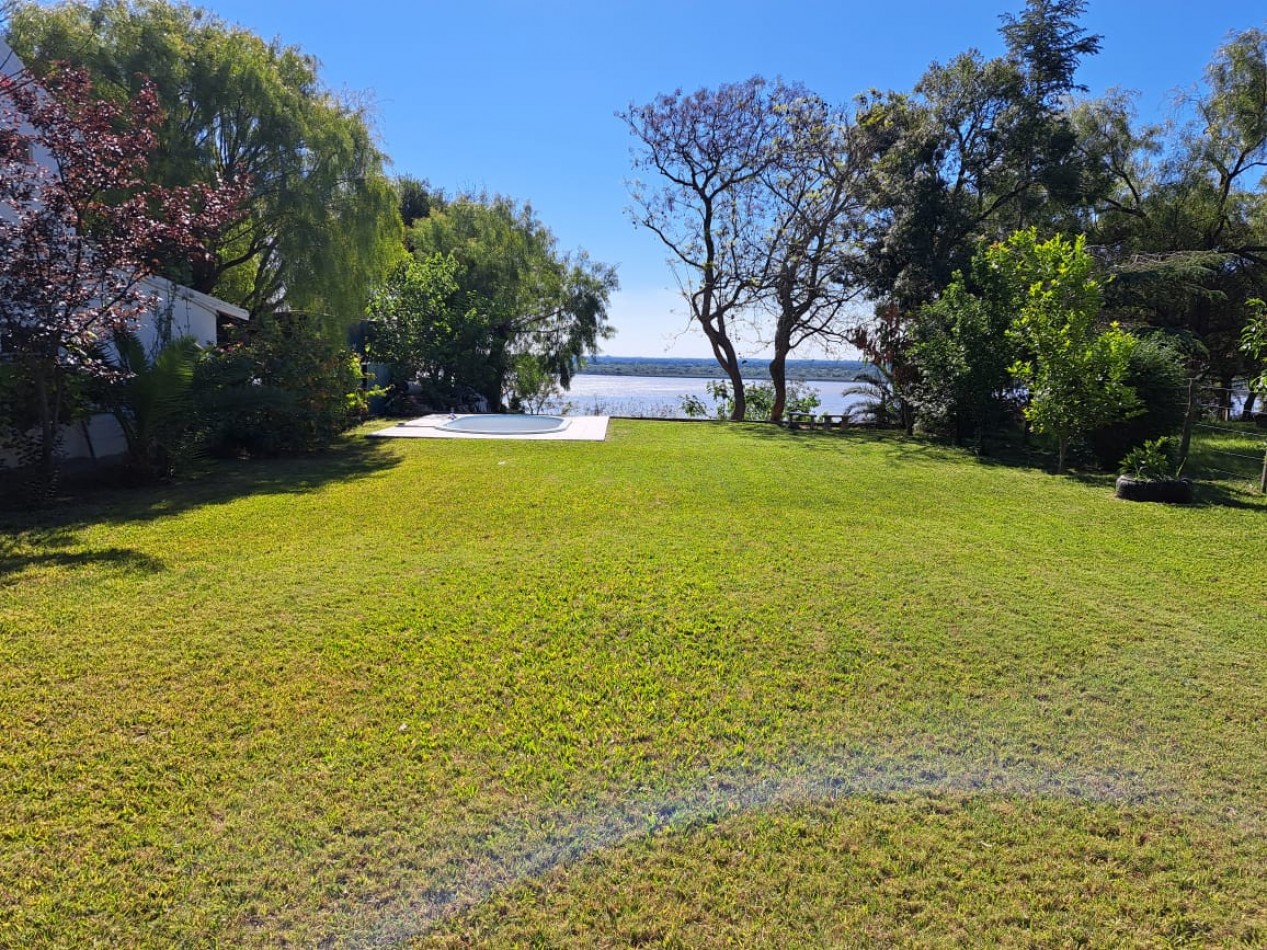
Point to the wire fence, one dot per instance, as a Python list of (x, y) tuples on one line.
[(1224, 437)]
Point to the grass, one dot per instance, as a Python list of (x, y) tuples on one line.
[(696, 685), (1231, 453)]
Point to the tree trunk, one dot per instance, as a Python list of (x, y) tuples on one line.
[(1060, 455), (778, 376), (1247, 411), (498, 361), (49, 405), (724, 353), (1225, 399)]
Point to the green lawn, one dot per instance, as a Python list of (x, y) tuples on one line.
[(696, 685)]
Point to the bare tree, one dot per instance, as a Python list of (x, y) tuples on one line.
[(710, 152), (816, 204)]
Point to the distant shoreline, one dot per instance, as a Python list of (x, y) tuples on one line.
[(699, 368)]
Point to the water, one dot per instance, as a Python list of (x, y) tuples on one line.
[(660, 397)]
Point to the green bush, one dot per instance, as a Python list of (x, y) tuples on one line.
[(759, 401), (1154, 461), (283, 388), (21, 475), (151, 399), (1156, 373)]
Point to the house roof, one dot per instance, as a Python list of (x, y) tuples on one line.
[(197, 298)]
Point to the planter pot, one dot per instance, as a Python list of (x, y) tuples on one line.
[(1173, 490)]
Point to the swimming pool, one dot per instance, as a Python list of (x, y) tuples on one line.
[(505, 424)]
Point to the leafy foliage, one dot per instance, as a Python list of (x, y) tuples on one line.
[(762, 398), (1155, 372), (1153, 461), (964, 353), (1182, 218), (152, 400), (1075, 374), (493, 286), (880, 404), (283, 388), (81, 226), (321, 225), (980, 148), (532, 387), (418, 328), (885, 342), (1254, 344)]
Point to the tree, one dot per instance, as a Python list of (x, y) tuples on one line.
[(321, 226), (808, 249), (708, 152), (886, 344), (964, 351), (531, 384), (516, 294), (981, 147), (1157, 375), (80, 229), (281, 386), (151, 399), (1047, 44), (1254, 345), (1182, 217), (420, 329), (1075, 374)]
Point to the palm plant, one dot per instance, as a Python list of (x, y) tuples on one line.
[(152, 401)]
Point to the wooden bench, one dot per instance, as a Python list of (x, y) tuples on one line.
[(808, 420)]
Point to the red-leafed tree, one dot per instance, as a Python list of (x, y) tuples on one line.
[(80, 230)]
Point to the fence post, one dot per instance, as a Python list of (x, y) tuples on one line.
[(1189, 418), (1262, 480)]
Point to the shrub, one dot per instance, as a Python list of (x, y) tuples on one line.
[(1156, 372), (151, 398), (1154, 461), (21, 444), (283, 388), (759, 400)]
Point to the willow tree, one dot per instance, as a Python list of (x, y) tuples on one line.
[(513, 294), (321, 224)]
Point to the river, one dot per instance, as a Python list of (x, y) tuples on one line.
[(660, 397)]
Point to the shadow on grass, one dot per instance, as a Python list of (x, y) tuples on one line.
[(904, 448), (87, 503), (1221, 495), (13, 561), (822, 440)]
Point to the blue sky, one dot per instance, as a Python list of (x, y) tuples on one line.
[(519, 98)]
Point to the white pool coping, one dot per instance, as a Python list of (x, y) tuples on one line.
[(578, 429)]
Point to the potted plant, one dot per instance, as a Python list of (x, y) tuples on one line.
[(1149, 473)]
